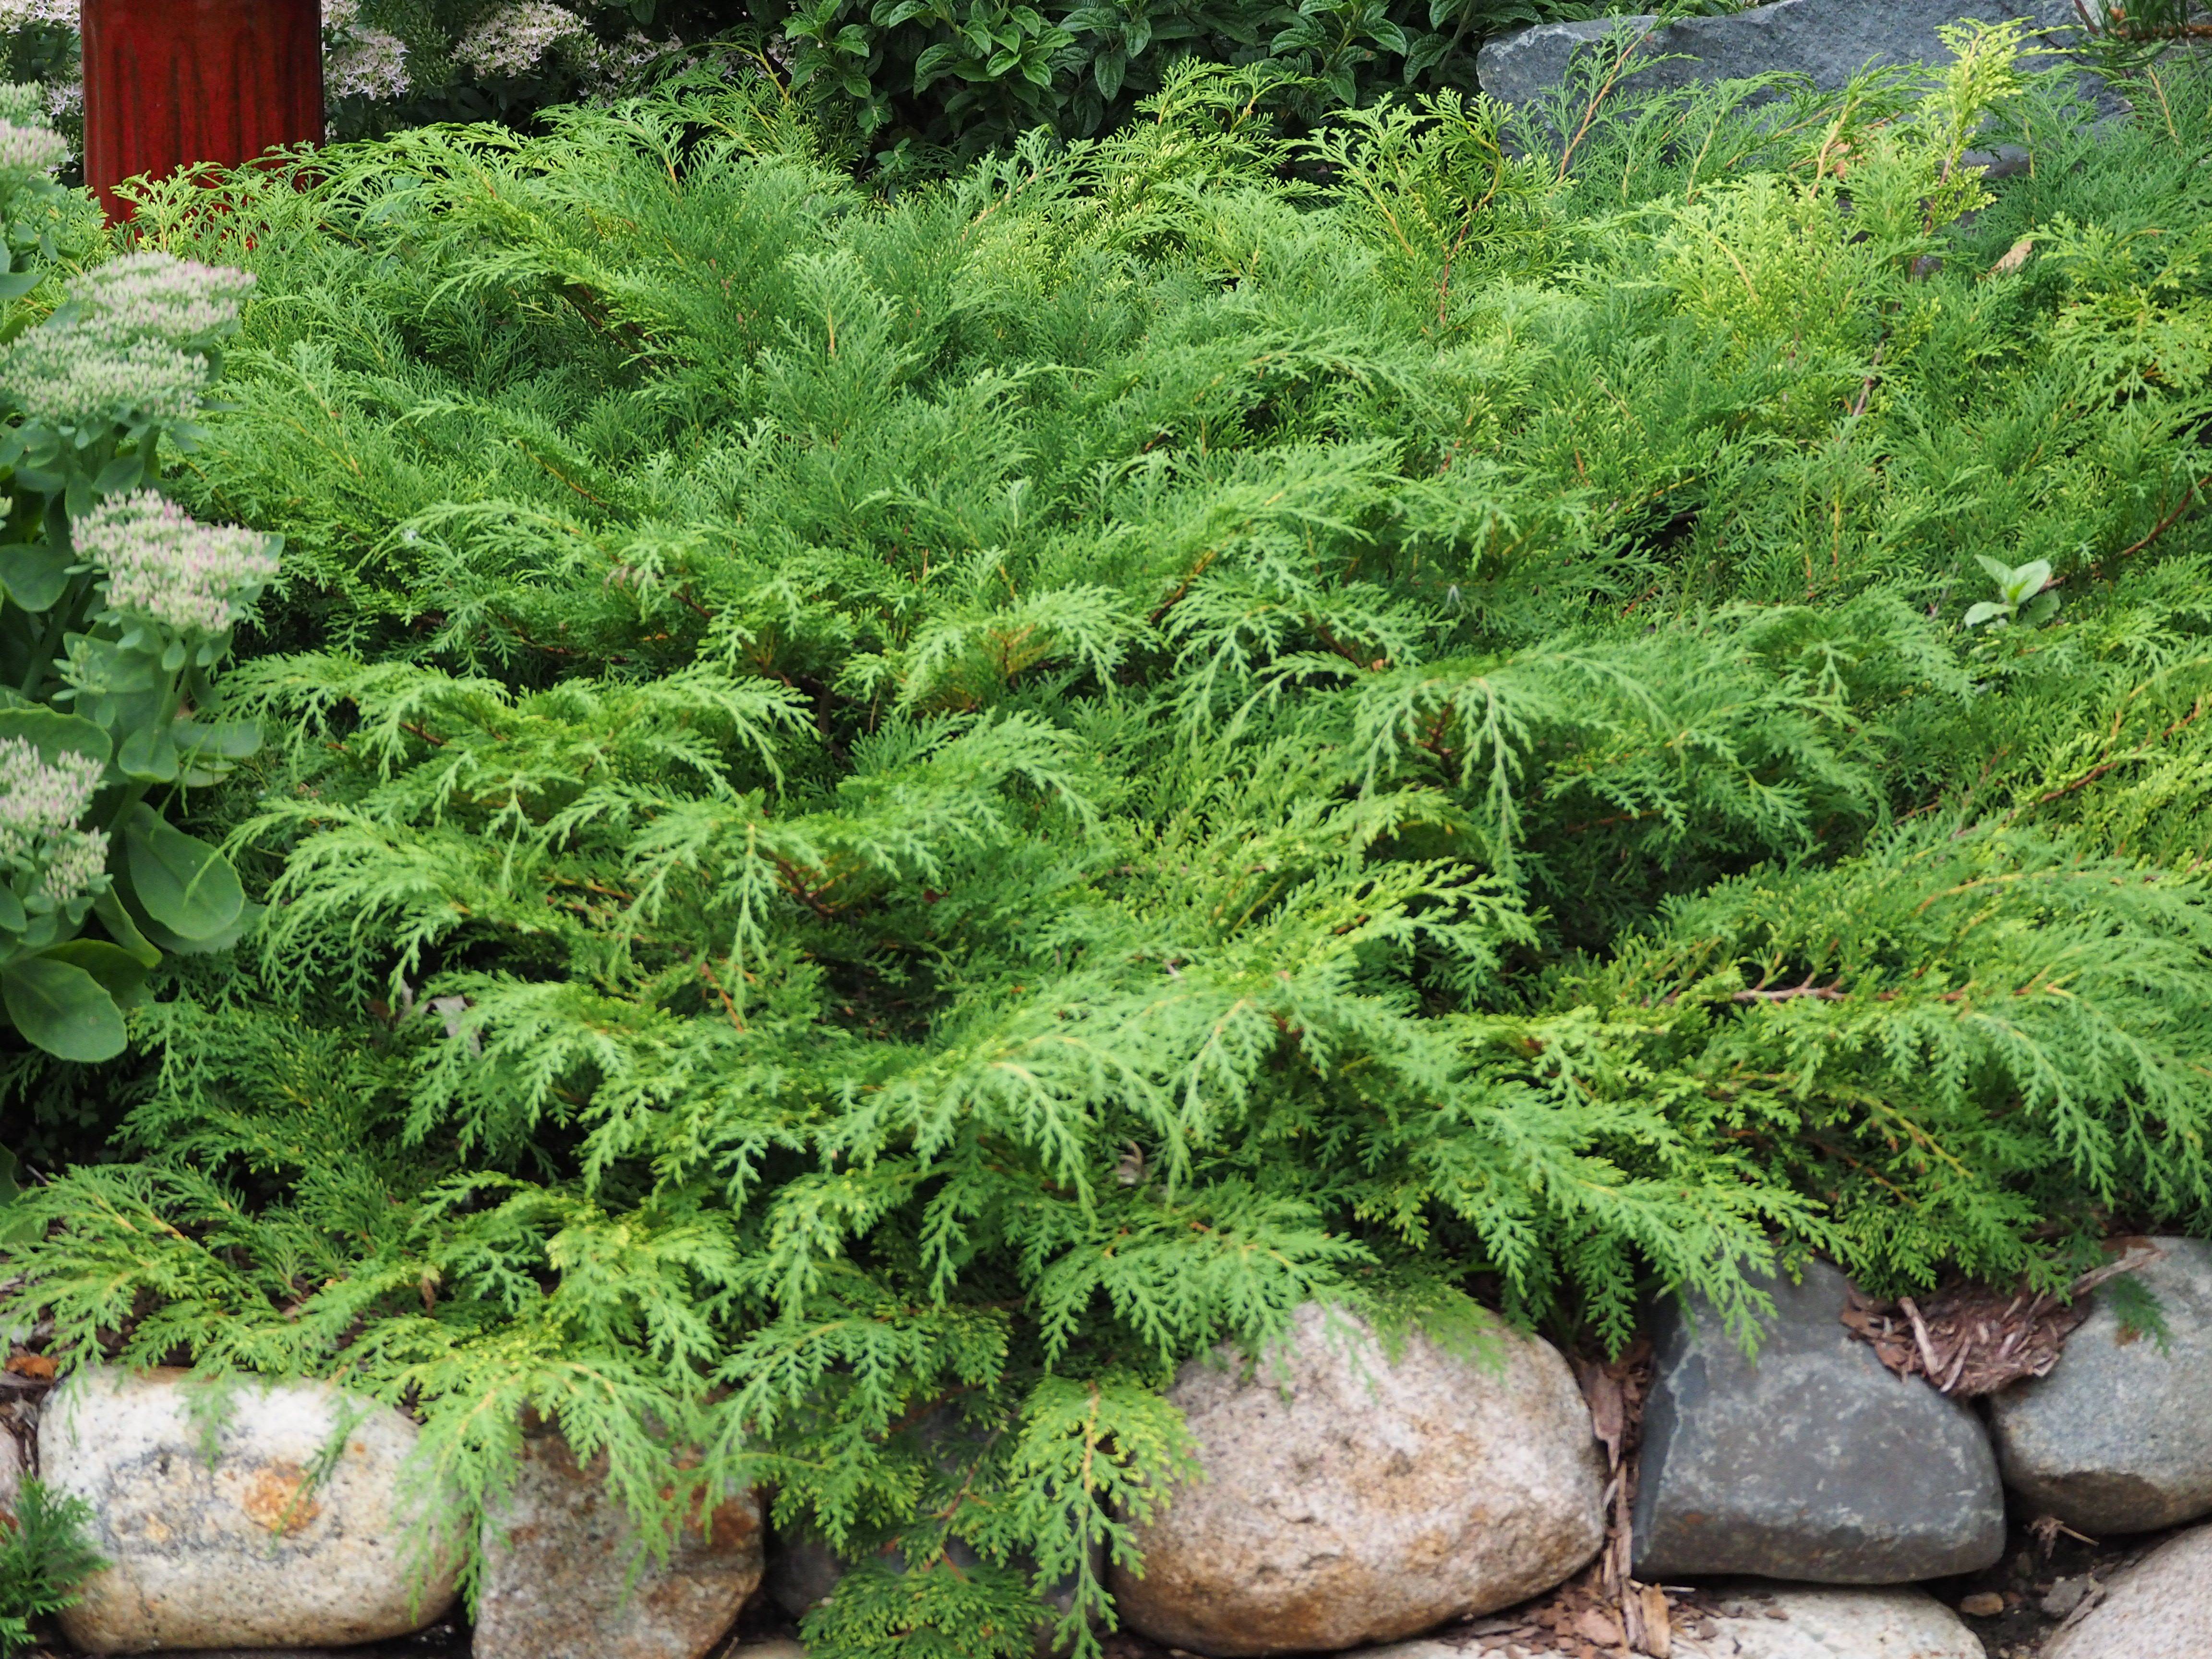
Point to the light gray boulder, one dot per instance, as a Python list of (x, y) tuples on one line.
[(565, 1575), (1789, 1621), (1810, 1462), (2118, 1438), (1352, 1497), (2160, 1608), (11, 1471), (246, 1547), (1829, 40)]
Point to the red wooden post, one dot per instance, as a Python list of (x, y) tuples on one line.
[(171, 82)]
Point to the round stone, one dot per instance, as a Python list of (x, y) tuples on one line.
[(2118, 1437), (239, 1515), (1353, 1493)]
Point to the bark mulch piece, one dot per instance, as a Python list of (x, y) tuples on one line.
[(1971, 1340)]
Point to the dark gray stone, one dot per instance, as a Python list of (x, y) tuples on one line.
[(2118, 1437), (1810, 1463), (1829, 40)]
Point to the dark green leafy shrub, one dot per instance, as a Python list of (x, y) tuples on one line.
[(894, 809)]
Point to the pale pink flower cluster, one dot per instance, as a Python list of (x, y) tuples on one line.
[(372, 64), (76, 860), (40, 804), (515, 38), (155, 296), (129, 341), (163, 565), (28, 150), (66, 377)]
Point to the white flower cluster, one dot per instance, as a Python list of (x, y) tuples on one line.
[(163, 565), (21, 14), (62, 378), (154, 296), (372, 64), (39, 805), (28, 150), (75, 858), (615, 63), (129, 340), (513, 39)]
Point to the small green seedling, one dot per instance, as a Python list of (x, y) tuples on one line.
[(2021, 594)]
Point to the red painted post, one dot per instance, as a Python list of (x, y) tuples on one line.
[(171, 82)]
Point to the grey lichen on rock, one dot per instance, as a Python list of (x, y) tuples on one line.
[(2118, 1437), (1810, 1462), (1352, 1495), (295, 1532)]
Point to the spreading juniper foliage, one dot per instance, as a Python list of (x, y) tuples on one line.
[(45, 1555), (897, 816)]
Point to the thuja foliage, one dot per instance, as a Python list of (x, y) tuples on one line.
[(892, 817), (45, 1554)]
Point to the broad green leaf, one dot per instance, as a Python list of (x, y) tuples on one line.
[(124, 472), (61, 1009), (149, 754), (124, 931), (186, 886), (52, 733), (228, 740), (119, 973), (177, 944), (34, 575)]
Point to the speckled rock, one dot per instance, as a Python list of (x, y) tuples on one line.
[(1789, 1621), (2160, 1608), (561, 1578), (1348, 1498), (1827, 41), (2118, 1437), (246, 1549), (1810, 1463), (11, 1471)]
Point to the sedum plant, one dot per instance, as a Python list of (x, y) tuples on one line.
[(119, 609)]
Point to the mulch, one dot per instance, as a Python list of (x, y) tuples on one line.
[(1970, 1340)]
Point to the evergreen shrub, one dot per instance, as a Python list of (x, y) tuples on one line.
[(45, 1554), (878, 810)]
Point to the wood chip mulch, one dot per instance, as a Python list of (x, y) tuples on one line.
[(1971, 1340)]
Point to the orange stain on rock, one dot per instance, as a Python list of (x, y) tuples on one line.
[(276, 1498)]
